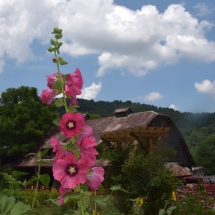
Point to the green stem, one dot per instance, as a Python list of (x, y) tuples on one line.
[(95, 204), (36, 189), (61, 82), (81, 206)]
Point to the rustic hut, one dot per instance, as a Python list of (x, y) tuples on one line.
[(147, 128)]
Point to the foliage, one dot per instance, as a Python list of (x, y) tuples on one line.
[(198, 202), (24, 120), (204, 154), (144, 175), (10, 198)]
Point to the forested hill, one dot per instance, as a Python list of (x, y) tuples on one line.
[(195, 127)]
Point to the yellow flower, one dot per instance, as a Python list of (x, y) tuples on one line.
[(139, 202), (95, 213), (174, 195)]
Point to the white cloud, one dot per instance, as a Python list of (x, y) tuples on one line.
[(153, 96), (174, 107), (202, 9), (135, 41), (206, 86), (91, 91)]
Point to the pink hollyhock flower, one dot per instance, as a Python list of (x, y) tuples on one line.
[(87, 149), (70, 172), (55, 143), (72, 124), (73, 101), (62, 192), (57, 147), (95, 177), (86, 133), (51, 79), (47, 96), (74, 83)]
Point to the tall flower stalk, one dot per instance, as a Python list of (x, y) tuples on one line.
[(74, 159)]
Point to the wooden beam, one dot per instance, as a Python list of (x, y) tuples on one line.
[(139, 141)]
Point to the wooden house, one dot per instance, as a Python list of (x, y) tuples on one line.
[(146, 128)]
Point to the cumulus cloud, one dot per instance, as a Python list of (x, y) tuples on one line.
[(206, 86), (174, 107), (91, 91), (135, 41), (153, 96), (202, 9)]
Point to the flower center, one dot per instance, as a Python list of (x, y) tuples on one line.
[(70, 125), (72, 170)]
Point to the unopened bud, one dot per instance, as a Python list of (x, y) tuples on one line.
[(54, 60)]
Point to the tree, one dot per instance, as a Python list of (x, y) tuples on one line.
[(24, 120), (142, 174), (204, 154)]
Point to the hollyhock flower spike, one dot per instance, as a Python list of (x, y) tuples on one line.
[(72, 124), (47, 96), (95, 177), (74, 83), (70, 172)]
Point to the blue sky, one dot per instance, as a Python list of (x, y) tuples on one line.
[(155, 52)]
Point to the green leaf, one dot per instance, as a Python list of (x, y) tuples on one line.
[(63, 62), (20, 208), (30, 181), (45, 179), (161, 212), (53, 42), (59, 102), (84, 187), (58, 36), (72, 140), (70, 195), (59, 44), (57, 31), (118, 188), (54, 201), (57, 85), (101, 189), (170, 209), (101, 200), (6, 203), (73, 148), (50, 49), (6, 176), (72, 109), (44, 152), (18, 173), (56, 121)]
